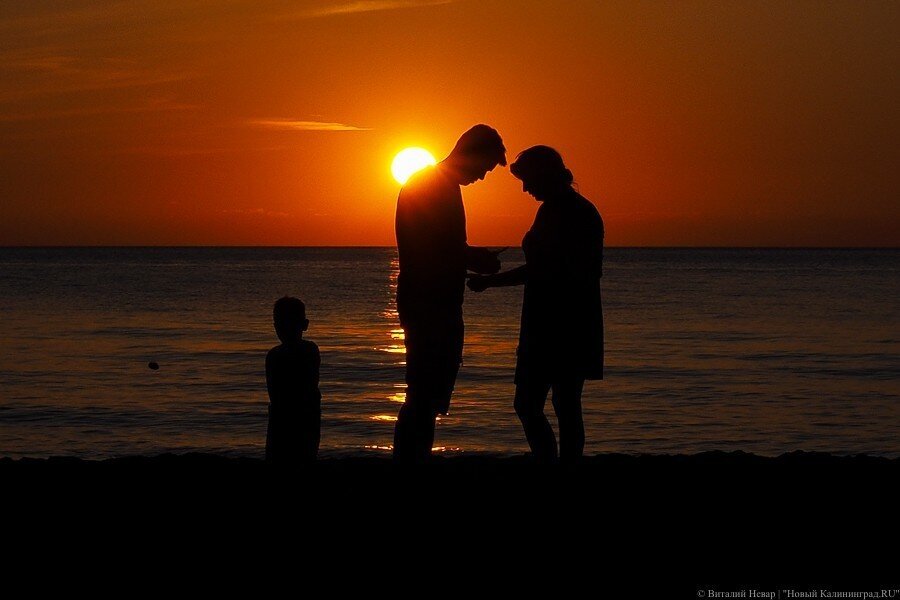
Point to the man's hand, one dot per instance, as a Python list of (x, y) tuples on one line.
[(478, 283), (483, 260)]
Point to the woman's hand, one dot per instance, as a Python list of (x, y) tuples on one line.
[(479, 283)]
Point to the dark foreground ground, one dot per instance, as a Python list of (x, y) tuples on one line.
[(710, 475), (695, 520)]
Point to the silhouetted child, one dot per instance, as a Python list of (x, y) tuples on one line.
[(292, 378)]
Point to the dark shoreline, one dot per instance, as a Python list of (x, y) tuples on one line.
[(494, 471), (700, 484), (710, 489), (712, 457), (681, 520), (627, 474), (473, 461)]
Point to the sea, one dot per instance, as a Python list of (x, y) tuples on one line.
[(759, 350)]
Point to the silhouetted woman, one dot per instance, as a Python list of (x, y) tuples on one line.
[(561, 336)]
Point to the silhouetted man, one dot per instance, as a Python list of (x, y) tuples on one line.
[(434, 256)]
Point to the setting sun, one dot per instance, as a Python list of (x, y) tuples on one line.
[(409, 161)]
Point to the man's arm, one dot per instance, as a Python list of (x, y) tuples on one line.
[(482, 260)]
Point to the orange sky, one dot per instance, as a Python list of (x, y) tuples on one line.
[(223, 122)]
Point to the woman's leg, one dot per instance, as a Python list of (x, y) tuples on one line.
[(529, 405), (567, 404)]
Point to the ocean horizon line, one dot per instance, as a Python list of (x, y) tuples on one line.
[(383, 247)]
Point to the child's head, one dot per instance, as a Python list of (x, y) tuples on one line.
[(290, 318)]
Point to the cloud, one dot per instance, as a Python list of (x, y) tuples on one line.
[(150, 105), (170, 150), (39, 19), (363, 6), (41, 63), (292, 125), (49, 73)]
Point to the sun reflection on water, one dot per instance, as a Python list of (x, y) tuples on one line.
[(386, 418), (433, 449), (390, 312), (393, 349), (397, 337)]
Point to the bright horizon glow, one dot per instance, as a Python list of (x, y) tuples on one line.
[(409, 161)]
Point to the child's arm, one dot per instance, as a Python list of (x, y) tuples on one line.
[(317, 362), (270, 379)]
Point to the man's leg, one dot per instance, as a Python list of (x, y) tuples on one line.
[(433, 354), (414, 431), (425, 423)]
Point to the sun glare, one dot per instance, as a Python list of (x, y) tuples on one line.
[(409, 161)]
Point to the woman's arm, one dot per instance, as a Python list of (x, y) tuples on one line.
[(517, 276)]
